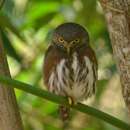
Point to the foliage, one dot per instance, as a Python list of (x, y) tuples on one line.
[(26, 27)]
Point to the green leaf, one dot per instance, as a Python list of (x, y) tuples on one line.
[(9, 48), (41, 21), (40, 14), (5, 22), (40, 9)]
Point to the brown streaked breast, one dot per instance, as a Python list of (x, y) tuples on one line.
[(89, 52), (52, 58)]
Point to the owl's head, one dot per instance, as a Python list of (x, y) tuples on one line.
[(69, 36)]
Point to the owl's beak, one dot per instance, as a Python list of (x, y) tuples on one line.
[(67, 46), (68, 49)]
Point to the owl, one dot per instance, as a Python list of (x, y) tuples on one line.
[(70, 65)]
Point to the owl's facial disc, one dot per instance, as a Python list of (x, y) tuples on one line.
[(67, 45), (69, 36)]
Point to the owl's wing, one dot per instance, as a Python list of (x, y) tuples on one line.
[(88, 52), (51, 59)]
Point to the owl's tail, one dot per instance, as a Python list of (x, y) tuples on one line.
[(64, 112)]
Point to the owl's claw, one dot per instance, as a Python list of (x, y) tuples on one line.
[(71, 101)]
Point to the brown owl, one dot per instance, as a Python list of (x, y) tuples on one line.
[(70, 65)]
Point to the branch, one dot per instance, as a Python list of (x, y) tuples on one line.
[(117, 13), (60, 100), (9, 112)]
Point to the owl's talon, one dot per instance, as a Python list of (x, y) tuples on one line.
[(71, 101)]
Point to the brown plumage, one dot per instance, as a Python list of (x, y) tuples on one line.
[(70, 65)]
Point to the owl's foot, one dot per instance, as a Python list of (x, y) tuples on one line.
[(71, 101)]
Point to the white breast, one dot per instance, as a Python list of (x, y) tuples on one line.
[(59, 80)]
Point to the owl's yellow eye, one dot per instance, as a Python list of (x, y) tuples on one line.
[(75, 41), (60, 39)]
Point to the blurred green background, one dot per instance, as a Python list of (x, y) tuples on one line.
[(26, 27)]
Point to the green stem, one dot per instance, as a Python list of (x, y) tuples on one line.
[(60, 100)]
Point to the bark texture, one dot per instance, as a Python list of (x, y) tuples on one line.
[(9, 113), (117, 13)]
